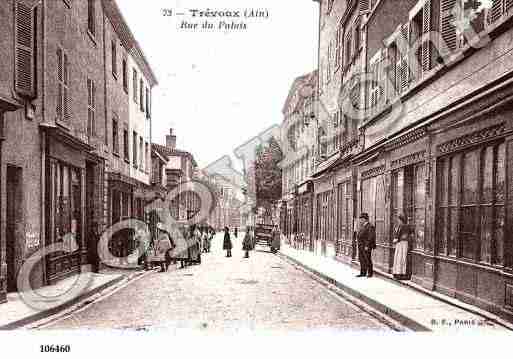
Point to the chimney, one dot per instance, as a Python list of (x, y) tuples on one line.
[(171, 140)]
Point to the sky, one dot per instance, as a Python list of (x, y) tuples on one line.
[(218, 89)]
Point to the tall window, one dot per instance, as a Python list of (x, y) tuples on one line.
[(91, 27), (357, 33), (134, 84), (147, 103), (63, 86), (125, 76), (114, 59), (126, 145), (147, 157), (134, 149), (91, 105), (470, 205), (348, 48), (141, 95), (141, 154), (115, 138)]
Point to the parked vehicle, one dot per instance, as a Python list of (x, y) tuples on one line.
[(263, 234)]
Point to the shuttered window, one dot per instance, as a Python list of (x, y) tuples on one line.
[(357, 33), (126, 145), (125, 76), (447, 29), (63, 96), (115, 137), (134, 84), (499, 8), (24, 45), (114, 59), (141, 95), (147, 103), (91, 26), (348, 47), (427, 50), (91, 105), (147, 157), (134, 149), (338, 43)]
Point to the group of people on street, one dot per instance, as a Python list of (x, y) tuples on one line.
[(197, 239), (366, 241), (248, 242)]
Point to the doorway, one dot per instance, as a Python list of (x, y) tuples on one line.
[(14, 222)]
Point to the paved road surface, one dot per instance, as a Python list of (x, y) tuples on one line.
[(262, 292)]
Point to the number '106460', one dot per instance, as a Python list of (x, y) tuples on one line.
[(55, 348)]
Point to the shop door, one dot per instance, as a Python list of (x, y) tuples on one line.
[(13, 223)]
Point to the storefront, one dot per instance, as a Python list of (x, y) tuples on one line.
[(67, 167), (450, 179), (305, 216), (324, 210)]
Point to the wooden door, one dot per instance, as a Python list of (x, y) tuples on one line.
[(13, 223)]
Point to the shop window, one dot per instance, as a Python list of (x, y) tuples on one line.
[(344, 213), (67, 206), (419, 203), (373, 203), (470, 205)]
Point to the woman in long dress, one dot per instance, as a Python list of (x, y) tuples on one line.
[(227, 242), (401, 238)]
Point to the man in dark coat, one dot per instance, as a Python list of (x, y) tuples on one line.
[(366, 238), (227, 243), (94, 237)]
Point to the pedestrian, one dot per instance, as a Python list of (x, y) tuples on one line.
[(236, 231), (227, 242), (402, 233), (197, 245), (164, 246), (93, 238), (205, 239), (366, 238), (275, 239), (247, 243)]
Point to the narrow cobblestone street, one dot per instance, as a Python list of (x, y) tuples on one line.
[(262, 292)]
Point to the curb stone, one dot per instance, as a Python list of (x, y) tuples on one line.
[(18, 324)]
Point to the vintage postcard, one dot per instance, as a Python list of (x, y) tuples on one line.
[(319, 171)]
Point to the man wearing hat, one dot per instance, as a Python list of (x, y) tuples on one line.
[(366, 238)]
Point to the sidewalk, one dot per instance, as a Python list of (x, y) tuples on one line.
[(16, 313), (411, 308)]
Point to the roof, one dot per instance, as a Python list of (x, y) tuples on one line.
[(168, 152), (310, 78), (128, 40)]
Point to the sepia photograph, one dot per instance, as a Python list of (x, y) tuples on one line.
[(288, 178)]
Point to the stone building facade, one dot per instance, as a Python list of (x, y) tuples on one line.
[(54, 89), (431, 139)]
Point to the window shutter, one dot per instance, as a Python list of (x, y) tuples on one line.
[(426, 28), (66, 99), (60, 90), (448, 31), (495, 12), (24, 47), (508, 5), (404, 69), (364, 5)]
